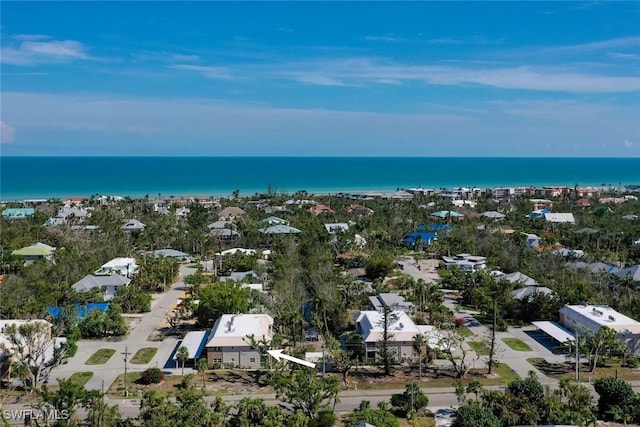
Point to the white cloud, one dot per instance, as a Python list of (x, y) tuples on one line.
[(212, 72), (361, 71), (7, 133), (31, 37), (38, 50), (319, 80), (185, 58), (385, 38), (619, 55), (217, 127), (628, 144)]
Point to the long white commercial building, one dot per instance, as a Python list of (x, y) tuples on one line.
[(585, 318)]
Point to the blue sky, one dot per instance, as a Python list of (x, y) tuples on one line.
[(330, 79)]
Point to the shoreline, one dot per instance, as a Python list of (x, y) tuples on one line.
[(247, 193)]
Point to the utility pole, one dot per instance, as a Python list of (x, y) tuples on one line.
[(577, 358), (324, 360), (126, 354)]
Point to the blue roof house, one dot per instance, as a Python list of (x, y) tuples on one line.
[(425, 238)]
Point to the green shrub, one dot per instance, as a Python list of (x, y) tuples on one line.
[(151, 376), (633, 362)]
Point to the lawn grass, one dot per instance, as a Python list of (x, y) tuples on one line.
[(144, 355), (100, 357), (479, 347), (567, 370), (502, 375), (80, 378), (516, 344)]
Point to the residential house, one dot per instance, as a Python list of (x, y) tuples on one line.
[(370, 325), (228, 344), (447, 215), (66, 214), (279, 229), (583, 203), (74, 200), (239, 276), (123, 266), (162, 208), (551, 192), (132, 225), (515, 278), (338, 227), (219, 225), (18, 213), (359, 210), (35, 252), (466, 262), (225, 235), (532, 241), (421, 191), (594, 267), (274, 220), (399, 195), (540, 204), (233, 251), (631, 273), (38, 352), (588, 319), (320, 209), (566, 218), (522, 294), (230, 213), (392, 301), (419, 240), (108, 284), (182, 212), (493, 215), (169, 253)]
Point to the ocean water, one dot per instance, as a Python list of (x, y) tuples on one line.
[(46, 177)]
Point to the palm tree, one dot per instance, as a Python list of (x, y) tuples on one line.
[(419, 343), (202, 367), (182, 356)]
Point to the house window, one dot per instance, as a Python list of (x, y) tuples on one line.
[(252, 360), (217, 360)]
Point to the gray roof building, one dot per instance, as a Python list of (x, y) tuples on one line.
[(109, 284)]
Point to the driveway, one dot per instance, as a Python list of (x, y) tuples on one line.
[(104, 375), (517, 360)]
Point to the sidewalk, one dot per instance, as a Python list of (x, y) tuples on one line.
[(104, 375)]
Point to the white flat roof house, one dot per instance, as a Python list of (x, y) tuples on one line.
[(228, 344), (123, 266), (369, 324), (466, 262), (587, 318)]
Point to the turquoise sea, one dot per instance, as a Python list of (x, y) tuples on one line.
[(46, 177)]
